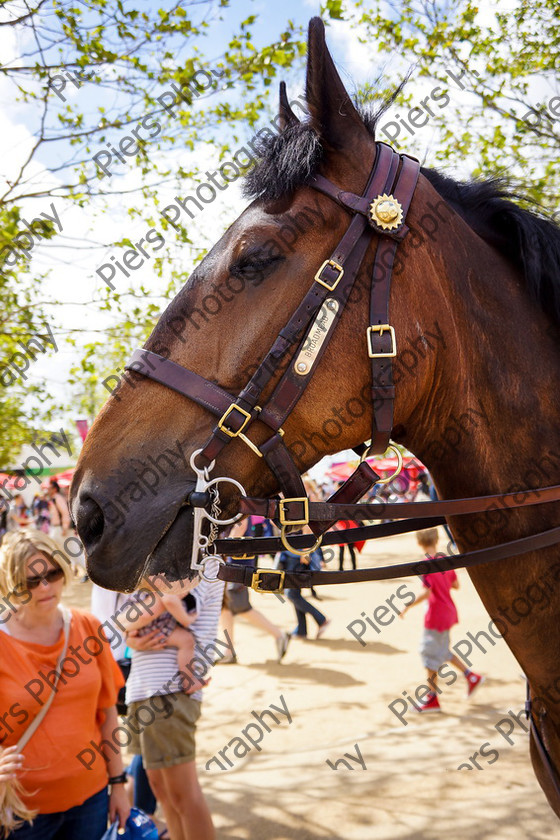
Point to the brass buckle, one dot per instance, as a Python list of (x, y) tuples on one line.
[(389, 478), (334, 265), (300, 551), (399, 456), (255, 583), (282, 513), (380, 328), (239, 433), (221, 422)]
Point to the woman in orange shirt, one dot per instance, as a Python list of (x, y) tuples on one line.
[(64, 771)]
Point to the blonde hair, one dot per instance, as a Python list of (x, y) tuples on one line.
[(427, 538), (16, 549), (13, 813)]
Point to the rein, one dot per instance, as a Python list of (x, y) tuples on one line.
[(381, 211)]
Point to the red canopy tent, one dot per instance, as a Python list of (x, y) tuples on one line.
[(64, 479), (384, 466), (9, 482)]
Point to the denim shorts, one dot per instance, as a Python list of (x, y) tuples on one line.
[(88, 820)]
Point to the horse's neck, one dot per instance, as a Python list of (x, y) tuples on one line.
[(493, 420), (490, 423)]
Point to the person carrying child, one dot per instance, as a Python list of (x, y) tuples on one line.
[(168, 743), (172, 616), (441, 615)]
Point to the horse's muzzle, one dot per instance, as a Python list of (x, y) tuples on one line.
[(123, 543)]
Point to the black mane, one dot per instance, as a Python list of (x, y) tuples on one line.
[(286, 162), (530, 241)]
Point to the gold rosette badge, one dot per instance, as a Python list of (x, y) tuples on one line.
[(386, 212)]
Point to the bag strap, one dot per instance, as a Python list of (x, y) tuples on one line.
[(67, 618), (57, 510)]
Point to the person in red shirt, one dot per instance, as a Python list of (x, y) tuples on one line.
[(440, 616)]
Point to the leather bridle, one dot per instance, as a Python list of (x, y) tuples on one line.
[(381, 211)]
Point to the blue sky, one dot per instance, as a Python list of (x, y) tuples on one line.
[(272, 18)]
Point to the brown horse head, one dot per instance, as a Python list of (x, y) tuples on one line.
[(475, 305), (133, 478), (133, 475)]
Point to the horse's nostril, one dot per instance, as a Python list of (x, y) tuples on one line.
[(90, 523)]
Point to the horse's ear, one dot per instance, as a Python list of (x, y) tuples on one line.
[(332, 111), (285, 113)]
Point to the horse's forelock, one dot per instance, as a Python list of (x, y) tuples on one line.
[(286, 161)]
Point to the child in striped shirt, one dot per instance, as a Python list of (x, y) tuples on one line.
[(172, 615)]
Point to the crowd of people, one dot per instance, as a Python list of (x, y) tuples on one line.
[(47, 512), (66, 676)]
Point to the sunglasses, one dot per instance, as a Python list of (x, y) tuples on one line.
[(51, 577)]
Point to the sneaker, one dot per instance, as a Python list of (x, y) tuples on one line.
[(323, 627), (430, 704), (295, 635), (282, 646), (473, 681)]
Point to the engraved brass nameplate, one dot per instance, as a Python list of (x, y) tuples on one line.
[(316, 336)]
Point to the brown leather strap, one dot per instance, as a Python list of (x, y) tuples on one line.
[(180, 379), (362, 479), (236, 547), (269, 579), (282, 465), (325, 512), (381, 342), (540, 745), (348, 257)]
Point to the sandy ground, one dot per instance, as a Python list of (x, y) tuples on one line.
[(337, 693)]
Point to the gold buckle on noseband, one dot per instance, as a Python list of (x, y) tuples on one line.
[(336, 267), (282, 513), (222, 421), (381, 328), (255, 583), (239, 433)]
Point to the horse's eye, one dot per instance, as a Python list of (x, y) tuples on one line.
[(255, 267)]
